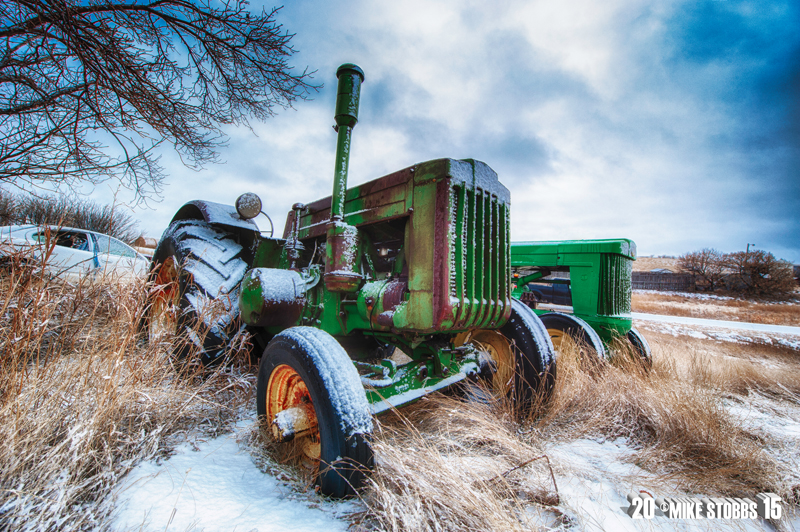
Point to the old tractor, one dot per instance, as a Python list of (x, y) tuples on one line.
[(593, 277), (373, 297)]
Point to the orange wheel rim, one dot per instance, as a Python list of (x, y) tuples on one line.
[(498, 348), (164, 300), (286, 389), (556, 336)]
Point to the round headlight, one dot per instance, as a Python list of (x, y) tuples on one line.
[(248, 205)]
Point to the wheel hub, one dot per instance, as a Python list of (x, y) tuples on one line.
[(292, 415), (498, 350), (556, 336)]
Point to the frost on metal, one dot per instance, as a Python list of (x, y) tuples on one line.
[(218, 213), (248, 203), (279, 286), (453, 240), (339, 375), (349, 239)]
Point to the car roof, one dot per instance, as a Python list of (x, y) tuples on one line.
[(17, 228)]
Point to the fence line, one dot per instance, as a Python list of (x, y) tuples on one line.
[(670, 282)]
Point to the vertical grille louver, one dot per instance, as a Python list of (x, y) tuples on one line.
[(479, 280), (615, 279)]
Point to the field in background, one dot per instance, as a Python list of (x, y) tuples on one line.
[(716, 307), (83, 399)]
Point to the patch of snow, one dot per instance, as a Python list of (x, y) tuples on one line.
[(723, 335), (690, 295), (594, 478), (761, 327), (214, 485)]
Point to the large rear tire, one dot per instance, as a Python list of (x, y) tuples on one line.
[(640, 347), (523, 362), (196, 272), (562, 326), (307, 368)]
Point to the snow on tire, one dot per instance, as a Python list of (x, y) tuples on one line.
[(206, 263)]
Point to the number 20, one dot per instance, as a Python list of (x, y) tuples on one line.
[(642, 507)]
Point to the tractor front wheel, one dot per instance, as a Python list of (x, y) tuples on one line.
[(309, 392)]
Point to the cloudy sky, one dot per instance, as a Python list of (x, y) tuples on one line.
[(676, 124)]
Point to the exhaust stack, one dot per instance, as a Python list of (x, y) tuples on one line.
[(342, 248)]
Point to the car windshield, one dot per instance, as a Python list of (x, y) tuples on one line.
[(112, 246)]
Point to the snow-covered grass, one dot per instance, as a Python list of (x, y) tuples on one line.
[(82, 399), (712, 306), (722, 334)]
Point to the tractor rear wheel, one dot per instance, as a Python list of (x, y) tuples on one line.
[(640, 346), (309, 391), (522, 361), (562, 326), (195, 273)]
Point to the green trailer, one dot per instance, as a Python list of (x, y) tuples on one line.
[(371, 298), (597, 287)]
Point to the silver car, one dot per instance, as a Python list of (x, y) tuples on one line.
[(74, 252)]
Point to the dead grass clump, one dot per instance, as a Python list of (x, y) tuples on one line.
[(732, 368), (446, 464), (82, 400), (681, 429)]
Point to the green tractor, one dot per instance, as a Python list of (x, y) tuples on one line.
[(597, 287), (372, 298)]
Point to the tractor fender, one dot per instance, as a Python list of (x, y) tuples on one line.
[(219, 214), (214, 213)]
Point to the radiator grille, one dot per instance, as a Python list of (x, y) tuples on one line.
[(615, 285), (480, 274)]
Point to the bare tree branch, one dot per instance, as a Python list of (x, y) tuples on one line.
[(89, 89)]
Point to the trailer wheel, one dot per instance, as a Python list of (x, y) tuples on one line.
[(195, 274), (640, 346), (560, 326), (309, 391), (523, 363)]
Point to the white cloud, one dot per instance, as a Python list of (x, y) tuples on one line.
[(620, 141)]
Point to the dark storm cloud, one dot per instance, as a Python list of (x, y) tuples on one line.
[(757, 49)]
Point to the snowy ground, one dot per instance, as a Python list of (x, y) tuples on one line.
[(215, 485), (729, 331)]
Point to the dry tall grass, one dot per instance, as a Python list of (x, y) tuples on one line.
[(82, 400), (717, 309), (441, 462)]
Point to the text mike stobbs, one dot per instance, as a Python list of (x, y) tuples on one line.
[(766, 506)]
